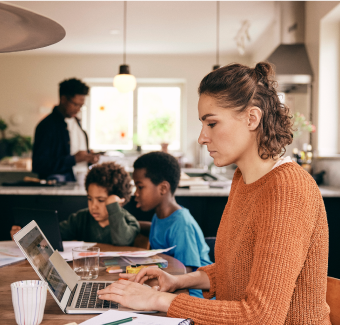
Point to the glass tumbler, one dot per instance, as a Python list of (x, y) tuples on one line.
[(86, 262)]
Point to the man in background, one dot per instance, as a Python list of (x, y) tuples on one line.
[(60, 144)]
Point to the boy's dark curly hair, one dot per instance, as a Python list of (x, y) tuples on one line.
[(72, 87), (160, 166), (113, 177), (238, 87)]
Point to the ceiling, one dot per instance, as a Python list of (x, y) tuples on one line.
[(153, 27)]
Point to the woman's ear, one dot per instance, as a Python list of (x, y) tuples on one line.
[(254, 116)]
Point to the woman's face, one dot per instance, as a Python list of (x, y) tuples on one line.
[(224, 131)]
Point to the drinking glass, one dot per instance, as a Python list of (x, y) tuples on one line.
[(86, 262), (29, 299)]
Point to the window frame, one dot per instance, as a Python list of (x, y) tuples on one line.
[(141, 82)]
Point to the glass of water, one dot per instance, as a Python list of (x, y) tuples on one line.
[(86, 262)]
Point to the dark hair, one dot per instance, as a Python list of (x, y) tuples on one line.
[(113, 177), (238, 87), (160, 166), (72, 87)]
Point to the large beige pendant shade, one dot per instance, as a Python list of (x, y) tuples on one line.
[(22, 30)]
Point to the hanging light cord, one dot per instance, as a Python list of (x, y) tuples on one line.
[(217, 32), (124, 52)]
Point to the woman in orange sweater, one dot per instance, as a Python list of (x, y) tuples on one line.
[(271, 248)]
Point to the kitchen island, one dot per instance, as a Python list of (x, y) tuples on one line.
[(205, 205)]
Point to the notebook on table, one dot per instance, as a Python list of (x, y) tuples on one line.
[(72, 295), (46, 219), (120, 316)]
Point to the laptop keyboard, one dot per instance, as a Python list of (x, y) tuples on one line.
[(88, 296)]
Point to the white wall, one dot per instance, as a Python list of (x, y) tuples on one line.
[(315, 11), (29, 81)]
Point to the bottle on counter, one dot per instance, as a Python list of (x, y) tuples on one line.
[(307, 155)]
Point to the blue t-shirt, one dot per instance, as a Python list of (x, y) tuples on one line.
[(182, 230)]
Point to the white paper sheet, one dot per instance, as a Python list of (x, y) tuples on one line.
[(10, 253), (148, 253), (68, 245), (114, 315)]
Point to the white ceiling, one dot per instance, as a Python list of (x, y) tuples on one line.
[(153, 27)]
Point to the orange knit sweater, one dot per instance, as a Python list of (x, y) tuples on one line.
[(271, 255)]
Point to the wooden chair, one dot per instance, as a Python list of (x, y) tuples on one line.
[(142, 239), (333, 299)]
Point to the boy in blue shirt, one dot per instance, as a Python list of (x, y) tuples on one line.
[(156, 176)]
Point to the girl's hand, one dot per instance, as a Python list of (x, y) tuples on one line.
[(114, 198), (136, 296), (166, 281)]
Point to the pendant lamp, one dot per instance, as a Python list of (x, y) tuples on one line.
[(124, 81), (217, 65)]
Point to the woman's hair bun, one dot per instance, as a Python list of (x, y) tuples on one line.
[(264, 72)]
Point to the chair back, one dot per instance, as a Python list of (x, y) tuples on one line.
[(333, 299), (142, 239), (211, 243)]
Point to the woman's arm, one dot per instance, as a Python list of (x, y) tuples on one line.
[(285, 221), (133, 295)]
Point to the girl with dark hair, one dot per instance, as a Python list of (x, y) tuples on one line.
[(271, 248)]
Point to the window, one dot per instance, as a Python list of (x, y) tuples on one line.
[(158, 111), (149, 116), (328, 130)]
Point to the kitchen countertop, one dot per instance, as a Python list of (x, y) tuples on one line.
[(76, 190)]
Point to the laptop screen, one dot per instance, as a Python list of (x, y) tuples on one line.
[(39, 251)]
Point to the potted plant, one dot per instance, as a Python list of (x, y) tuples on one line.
[(301, 124), (19, 144), (160, 129)]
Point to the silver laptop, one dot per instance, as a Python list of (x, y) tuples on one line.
[(72, 295)]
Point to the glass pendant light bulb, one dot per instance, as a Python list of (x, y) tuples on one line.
[(124, 81)]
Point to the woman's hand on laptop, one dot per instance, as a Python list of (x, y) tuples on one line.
[(165, 281), (131, 277), (14, 230), (136, 296)]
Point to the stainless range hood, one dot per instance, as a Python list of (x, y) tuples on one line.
[(290, 58)]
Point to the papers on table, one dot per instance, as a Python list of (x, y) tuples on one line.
[(124, 261), (148, 253), (10, 253), (114, 315), (68, 245)]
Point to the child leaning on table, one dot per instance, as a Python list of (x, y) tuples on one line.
[(104, 221), (156, 176)]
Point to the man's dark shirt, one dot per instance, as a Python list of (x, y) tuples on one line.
[(51, 149)]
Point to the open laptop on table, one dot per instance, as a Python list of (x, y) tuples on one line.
[(46, 219), (72, 295)]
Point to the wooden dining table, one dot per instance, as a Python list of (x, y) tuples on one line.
[(53, 314)]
